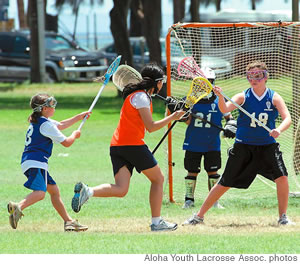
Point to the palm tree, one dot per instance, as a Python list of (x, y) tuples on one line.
[(253, 4), (178, 10), (21, 14), (75, 4)]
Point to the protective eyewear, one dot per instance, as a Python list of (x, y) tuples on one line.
[(257, 75), (163, 79), (50, 102)]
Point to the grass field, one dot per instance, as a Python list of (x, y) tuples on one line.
[(248, 225)]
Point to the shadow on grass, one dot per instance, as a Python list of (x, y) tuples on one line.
[(110, 104)]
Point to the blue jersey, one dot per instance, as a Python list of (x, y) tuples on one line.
[(38, 148), (248, 131), (201, 136)]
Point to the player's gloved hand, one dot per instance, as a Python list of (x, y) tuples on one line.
[(174, 104), (230, 128)]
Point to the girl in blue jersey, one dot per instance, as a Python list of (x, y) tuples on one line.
[(203, 140), (41, 134), (255, 150)]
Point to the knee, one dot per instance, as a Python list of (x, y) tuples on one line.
[(40, 195), (159, 179), (122, 192)]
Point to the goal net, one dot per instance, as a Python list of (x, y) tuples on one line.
[(227, 49)]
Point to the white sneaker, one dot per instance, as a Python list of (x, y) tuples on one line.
[(163, 226), (15, 214), (194, 220), (188, 204), (283, 220), (80, 196)]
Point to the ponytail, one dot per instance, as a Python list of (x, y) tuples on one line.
[(151, 73)]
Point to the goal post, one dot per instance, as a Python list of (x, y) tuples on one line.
[(227, 48)]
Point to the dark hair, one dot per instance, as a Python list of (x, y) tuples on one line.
[(150, 73), (35, 102)]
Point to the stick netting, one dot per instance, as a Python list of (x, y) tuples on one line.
[(227, 49)]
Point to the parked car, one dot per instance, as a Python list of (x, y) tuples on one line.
[(140, 52), (64, 60)]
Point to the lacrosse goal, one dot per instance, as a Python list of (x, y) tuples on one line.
[(227, 48)]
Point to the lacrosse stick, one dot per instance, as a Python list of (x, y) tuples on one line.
[(125, 75), (188, 67), (111, 69), (194, 115), (200, 87)]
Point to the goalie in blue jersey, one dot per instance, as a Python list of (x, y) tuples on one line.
[(202, 140)]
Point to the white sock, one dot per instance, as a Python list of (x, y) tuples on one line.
[(155, 220), (90, 192)]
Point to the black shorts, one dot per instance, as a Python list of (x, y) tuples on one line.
[(139, 157), (246, 161), (192, 161)]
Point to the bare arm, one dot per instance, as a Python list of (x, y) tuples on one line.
[(152, 125), (224, 106), (284, 113), (71, 139), (70, 121)]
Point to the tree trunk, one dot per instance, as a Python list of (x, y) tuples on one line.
[(152, 27), (118, 27), (35, 76), (194, 10), (253, 5), (21, 14), (178, 10), (218, 5), (136, 17)]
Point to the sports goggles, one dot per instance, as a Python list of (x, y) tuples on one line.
[(163, 79), (47, 104), (256, 75)]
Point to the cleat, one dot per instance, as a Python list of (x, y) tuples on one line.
[(163, 226), (283, 220), (74, 225), (194, 220), (188, 204), (80, 196), (15, 214)]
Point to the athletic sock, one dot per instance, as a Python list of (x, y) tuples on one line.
[(190, 185), (90, 192), (155, 220)]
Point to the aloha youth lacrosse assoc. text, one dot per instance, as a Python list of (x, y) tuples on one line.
[(221, 258)]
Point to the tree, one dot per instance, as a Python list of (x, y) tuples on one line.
[(178, 10), (75, 4), (152, 28), (253, 4), (21, 14), (136, 18), (118, 26)]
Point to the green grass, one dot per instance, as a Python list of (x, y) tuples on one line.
[(248, 225)]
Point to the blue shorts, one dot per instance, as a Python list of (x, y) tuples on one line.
[(139, 157), (37, 179)]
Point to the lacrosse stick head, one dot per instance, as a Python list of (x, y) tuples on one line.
[(188, 67), (112, 68), (124, 76), (200, 87)]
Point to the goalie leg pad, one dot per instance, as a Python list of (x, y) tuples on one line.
[(212, 180), (190, 185)]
